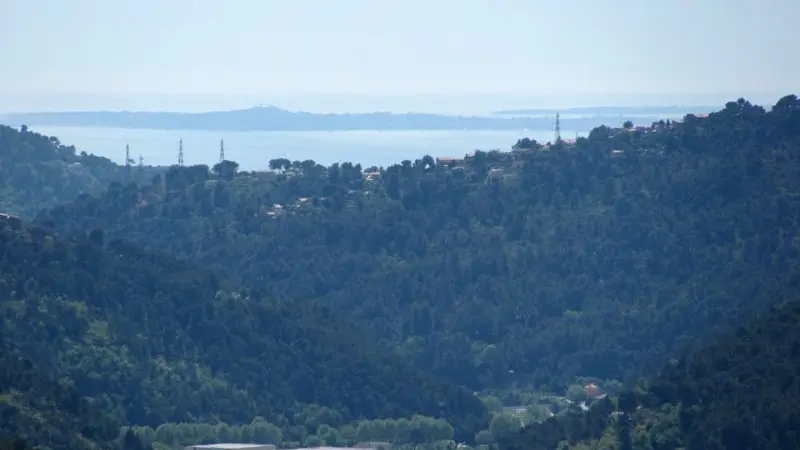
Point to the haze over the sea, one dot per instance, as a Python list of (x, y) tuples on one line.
[(453, 104)]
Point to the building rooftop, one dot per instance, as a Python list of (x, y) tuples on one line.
[(324, 448), (373, 445), (232, 446)]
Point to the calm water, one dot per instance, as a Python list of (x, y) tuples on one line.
[(253, 149)]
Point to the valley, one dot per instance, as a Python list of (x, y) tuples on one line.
[(590, 293)]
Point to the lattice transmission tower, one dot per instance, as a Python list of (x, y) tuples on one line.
[(558, 128)]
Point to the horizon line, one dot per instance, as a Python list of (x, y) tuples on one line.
[(498, 112)]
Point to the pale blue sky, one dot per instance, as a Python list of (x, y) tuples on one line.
[(399, 46)]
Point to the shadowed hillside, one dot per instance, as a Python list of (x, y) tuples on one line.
[(152, 340), (739, 393)]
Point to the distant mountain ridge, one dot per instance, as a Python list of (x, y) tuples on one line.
[(272, 118)]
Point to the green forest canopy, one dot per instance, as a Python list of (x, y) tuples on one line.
[(529, 268), (526, 269), (152, 340), (739, 393)]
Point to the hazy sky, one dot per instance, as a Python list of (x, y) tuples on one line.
[(399, 46)]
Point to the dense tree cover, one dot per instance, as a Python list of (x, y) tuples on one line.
[(738, 393), (318, 428), (743, 392), (529, 268), (37, 171), (38, 409), (8, 442), (601, 258), (151, 340), (315, 426)]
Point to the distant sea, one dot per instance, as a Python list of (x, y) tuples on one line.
[(456, 104), (253, 149)]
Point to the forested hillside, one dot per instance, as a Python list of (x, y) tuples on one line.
[(740, 393), (37, 408), (37, 171), (151, 340), (599, 258)]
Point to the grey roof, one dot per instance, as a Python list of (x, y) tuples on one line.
[(231, 446)]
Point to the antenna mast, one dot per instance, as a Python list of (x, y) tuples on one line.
[(180, 152), (558, 128), (127, 163), (140, 167), (221, 150)]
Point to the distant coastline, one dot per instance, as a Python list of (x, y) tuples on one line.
[(272, 118), (611, 111)]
